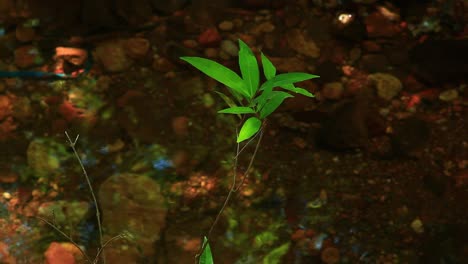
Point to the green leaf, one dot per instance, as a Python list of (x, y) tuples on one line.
[(274, 257), (273, 103), (218, 72), (206, 257), (249, 129), (286, 79), (237, 110), (226, 99), (298, 90), (249, 68), (269, 70)]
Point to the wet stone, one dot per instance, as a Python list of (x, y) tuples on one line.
[(374, 63), (448, 95), (25, 34), (112, 56), (265, 27), (229, 47), (378, 25), (136, 48), (226, 25), (27, 56), (333, 90), (299, 42), (387, 85), (132, 203), (346, 127)]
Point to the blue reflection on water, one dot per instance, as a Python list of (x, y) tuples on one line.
[(162, 164)]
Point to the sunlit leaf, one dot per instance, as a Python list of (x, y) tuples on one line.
[(218, 72), (237, 110), (206, 257), (249, 68), (274, 257), (273, 103), (249, 129), (298, 90), (269, 70), (286, 79)]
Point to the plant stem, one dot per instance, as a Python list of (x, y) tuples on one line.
[(66, 236), (98, 215), (246, 174), (233, 188), (105, 244)]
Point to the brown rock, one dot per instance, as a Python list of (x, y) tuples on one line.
[(302, 44), (410, 137), (25, 34), (134, 12), (136, 48), (27, 56), (371, 46), (6, 106), (226, 25), (461, 178), (4, 250), (333, 90), (330, 255), (374, 63), (209, 37), (8, 176), (289, 64), (112, 56), (378, 26), (162, 64), (132, 203), (265, 27), (6, 6), (180, 126), (346, 126)]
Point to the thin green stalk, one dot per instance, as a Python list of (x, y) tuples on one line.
[(232, 190), (246, 174)]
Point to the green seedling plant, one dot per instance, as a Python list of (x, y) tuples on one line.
[(250, 101)]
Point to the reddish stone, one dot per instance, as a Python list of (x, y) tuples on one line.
[(130, 94), (56, 254), (27, 56), (180, 125), (137, 48), (70, 112), (298, 235), (461, 178), (378, 25), (429, 94), (411, 84), (210, 37), (7, 127)]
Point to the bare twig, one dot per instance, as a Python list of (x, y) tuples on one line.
[(107, 243), (66, 236), (98, 215)]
